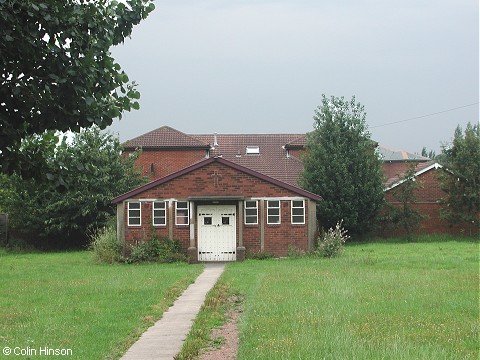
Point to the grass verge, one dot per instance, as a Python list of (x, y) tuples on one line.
[(211, 315), (65, 300), (384, 300)]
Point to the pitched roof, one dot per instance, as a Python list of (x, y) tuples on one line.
[(399, 155), (165, 137), (420, 168), (386, 153), (272, 159), (205, 162)]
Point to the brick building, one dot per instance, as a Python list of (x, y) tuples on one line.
[(225, 195), (427, 198), (220, 195)]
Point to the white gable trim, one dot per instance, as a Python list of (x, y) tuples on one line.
[(418, 173)]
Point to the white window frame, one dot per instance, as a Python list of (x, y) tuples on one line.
[(250, 208), (177, 216), (270, 208), (139, 209), (164, 209), (252, 150), (296, 215)]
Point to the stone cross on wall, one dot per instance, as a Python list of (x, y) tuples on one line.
[(217, 178)]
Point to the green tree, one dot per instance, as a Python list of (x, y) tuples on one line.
[(90, 170), (461, 182), (342, 166), (57, 72), (429, 154), (7, 191), (404, 214)]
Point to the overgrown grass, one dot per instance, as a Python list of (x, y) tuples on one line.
[(65, 300), (384, 300), (212, 315), (104, 245)]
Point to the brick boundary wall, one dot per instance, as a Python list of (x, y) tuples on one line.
[(427, 203)]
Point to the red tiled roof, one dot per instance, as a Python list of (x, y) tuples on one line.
[(272, 160), (165, 137)]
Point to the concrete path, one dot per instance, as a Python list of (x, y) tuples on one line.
[(165, 338)]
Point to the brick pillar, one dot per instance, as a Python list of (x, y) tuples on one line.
[(192, 252), (262, 225), (121, 226), (240, 248), (192, 255)]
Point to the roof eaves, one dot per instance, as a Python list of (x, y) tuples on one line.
[(406, 160), (298, 143), (167, 147), (294, 146), (418, 173)]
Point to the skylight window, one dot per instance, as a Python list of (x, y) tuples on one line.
[(252, 150)]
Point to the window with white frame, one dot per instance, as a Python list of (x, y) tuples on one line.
[(134, 214), (251, 212), (273, 212), (298, 212), (252, 150), (159, 213), (182, 214)]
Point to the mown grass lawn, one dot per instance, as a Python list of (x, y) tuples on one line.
[(378, 301), (65, 300)]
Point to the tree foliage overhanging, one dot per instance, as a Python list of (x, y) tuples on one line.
[(461, 182), (402, 213), (89, 171), (342, 166), (57, 72)]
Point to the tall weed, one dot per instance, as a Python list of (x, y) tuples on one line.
[(331, 242), (105, 246)]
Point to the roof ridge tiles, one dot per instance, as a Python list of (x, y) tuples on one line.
[(165, 136)]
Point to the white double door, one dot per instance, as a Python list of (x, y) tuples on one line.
[(216, 232)]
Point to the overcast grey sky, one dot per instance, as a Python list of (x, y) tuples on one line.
[(261, 66)]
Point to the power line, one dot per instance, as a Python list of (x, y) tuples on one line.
[(424, 116)]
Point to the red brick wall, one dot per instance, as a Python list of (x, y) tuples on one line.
[(427, 203), (166, 162), (135, 234), (434, 224), (429, 192), (285, 234), (391, 169), (298, 153), (251, 237), (230, 182), (138, 234)]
